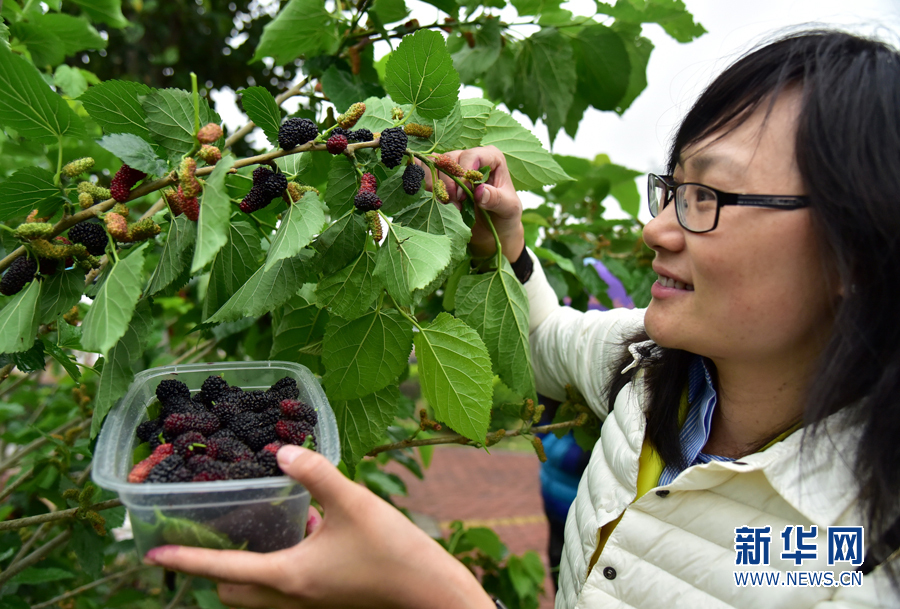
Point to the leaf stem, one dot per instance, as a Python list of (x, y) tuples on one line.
[(196, 96)]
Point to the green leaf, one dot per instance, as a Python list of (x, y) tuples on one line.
[(265, 290), (116, 106), (604, 67), (233, 266), (390, 11), (104, 11), (75, 34), (475, 112), (20, 318), (262, 109), (301, 325), (63, 358), (32, 360), (350, 292), (446, 132), (215, 212), (135, 152), (390, 190), (362, 423), (175, 255), (107, 319), (455, 373), (420, 72), (341, 242), (448, 6), (208, 599), (342, 187), (495, 304), (670, 14), (70, 80), (529, 164), (34, 576), (60, 293), (27, 189), (487, 541), (378, 114), (117, 371), (303, 27), (547, 71), (170, 119), (344, 88), (303, 221), (29, 106), (471, 62), (88, 547), (431, 216), (409, 260), (365, 354), (628, 196), (548, 254), (45, 47), (638, 49)]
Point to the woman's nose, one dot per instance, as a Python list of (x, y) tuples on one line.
[(664, 232)]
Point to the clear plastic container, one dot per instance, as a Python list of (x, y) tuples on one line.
[(262, 514)]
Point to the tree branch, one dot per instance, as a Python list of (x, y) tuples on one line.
[(457, 439), (35, 557), (6, 492), (182, 590), (93, 584), (9, 525), (35, 444)]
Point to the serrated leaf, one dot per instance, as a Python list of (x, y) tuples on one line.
[(475, 112), (362, 423), (471, 62), (303, 27), (170, 119), (529, 164), (20, 318), (390, 190), (390, 11), (455, 374), (70, 80), (233, 266), (342, 187), (265, 290), (104, 11), (29, 106), (31, 360), (670, 14), (446, 132), (107, 319), (344, 88), (75, 34), (174, 258), (350, 292), (341, 242), (35, 575), (301, 325), (117, 372), (215, 212), (432, 216), (448, 6), (304, 219), (604, 67), (496, 305), (262, 109), (116, 107), (45, 47), (63, 358), (27, 189), (547, 69), (88, 547), (409, 260), (365, 354), (135, 152), (60, 293), (561, 261), (420, 72), (378, 114)]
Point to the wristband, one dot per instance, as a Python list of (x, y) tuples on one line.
[(523, 266)]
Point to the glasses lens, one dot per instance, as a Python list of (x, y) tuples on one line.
[(656, 194), (696, 206)]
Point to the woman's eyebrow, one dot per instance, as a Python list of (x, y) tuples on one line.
[(699, 163)]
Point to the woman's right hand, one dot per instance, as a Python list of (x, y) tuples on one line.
[(497, 196)]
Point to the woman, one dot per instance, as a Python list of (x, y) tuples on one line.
[(772, 311)]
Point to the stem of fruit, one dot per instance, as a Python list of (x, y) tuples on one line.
[(195, 94)]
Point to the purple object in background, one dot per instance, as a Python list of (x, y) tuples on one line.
[(616, 291)]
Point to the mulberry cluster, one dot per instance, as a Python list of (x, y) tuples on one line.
[(412, 178), (449, 166), (360, 135), (267, 185), (422, 131), (393, 146), (366, 198), (124, 180), (91, 235), (210, 133), (349, 118), (20, 272), (295, 132), (210, 154), (78, 166), (222, 432)]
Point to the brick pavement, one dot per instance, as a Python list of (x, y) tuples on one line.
[(500, 490)]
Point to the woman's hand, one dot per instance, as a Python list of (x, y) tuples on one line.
[(364, 553), (497, 196)]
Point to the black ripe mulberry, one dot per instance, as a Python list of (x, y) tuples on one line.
[(296, 410), (393, 146), (412, 178), (254, 200), (261, 174), (169, 470), (123, 181), (149, 429), (336, 144), (243, 470), (366, 200), (170, 388), (213, 389), (269, 462), (296, 131), (257, 401), (274, 186), (285, 389), (189, 444), (91, 235), (179, 423), (20, 272), (360, 135), (293, 432)]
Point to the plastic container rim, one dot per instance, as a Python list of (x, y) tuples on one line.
[(104, 477)]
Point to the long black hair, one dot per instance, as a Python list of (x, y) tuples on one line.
[(848, 154)]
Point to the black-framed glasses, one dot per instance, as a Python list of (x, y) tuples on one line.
[(697, 205)]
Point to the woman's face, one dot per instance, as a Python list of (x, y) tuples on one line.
[(756, 286)]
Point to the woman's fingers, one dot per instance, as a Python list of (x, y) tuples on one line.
[(222, 565), (324, 481)]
